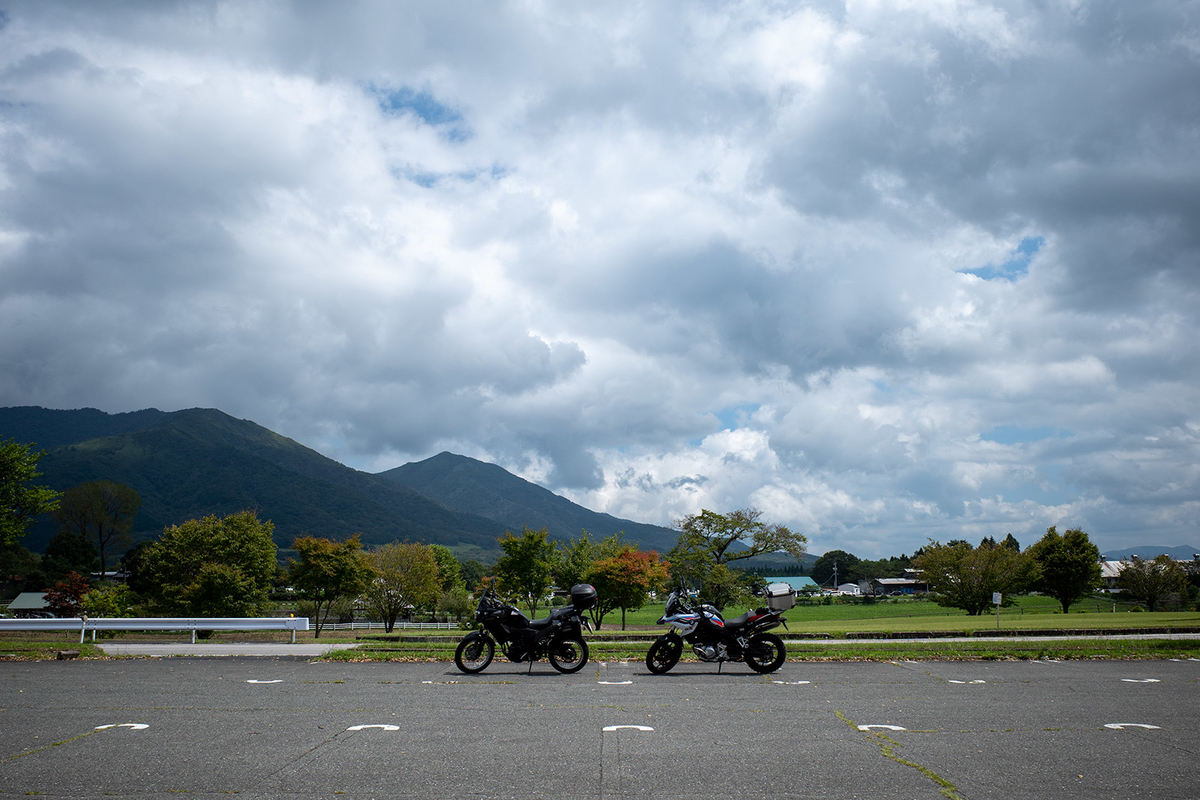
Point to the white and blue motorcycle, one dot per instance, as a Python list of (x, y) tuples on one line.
[(715, 639)]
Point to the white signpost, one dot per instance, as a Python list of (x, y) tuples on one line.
[(997, 598)]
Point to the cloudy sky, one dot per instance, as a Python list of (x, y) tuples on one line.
[(887, 271)]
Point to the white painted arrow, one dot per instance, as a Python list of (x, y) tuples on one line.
[(1116, 726), (614, 683), (635, 727), (884, 727), (1141, 680), (364, 727), (255, 680), (791, 683)]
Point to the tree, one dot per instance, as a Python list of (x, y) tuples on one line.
[(18, 565), (457, 602), (212, 566), (449, 570), (847, 567), (1069, 565), (65, 598), (1152, 581), (133, 563), (68, 551), (114, 600), (405, 575), (576, 560), (1011, 543), (473, 573), (625, 580), (21, 502), (526, 570), (706, 547), (328, 571), (965, 577), (102, 511)]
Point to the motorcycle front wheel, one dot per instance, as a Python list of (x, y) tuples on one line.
[(765, 652), (474, 653), (568, 655), (663, 654)]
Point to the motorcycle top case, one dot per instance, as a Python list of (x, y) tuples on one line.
[(780, 597), (583, 595)]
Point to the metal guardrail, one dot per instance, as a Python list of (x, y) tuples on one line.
[(368, 626), (193, 624)]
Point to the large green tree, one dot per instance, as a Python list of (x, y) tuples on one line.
[(215, 566), (1069, 565), (327, 572), (1153, 581), (448, 567), (20, 501), (526, 570), (965, 577), (846, 564), (103, 511), (406, 575), (709, 542)]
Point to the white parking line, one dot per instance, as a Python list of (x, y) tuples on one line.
[(1116, 726), (137, 726), (364, 727)]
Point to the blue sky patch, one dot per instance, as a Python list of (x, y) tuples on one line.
[(735, 417), (423, 105), (1016, 265)]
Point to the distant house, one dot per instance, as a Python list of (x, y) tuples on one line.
[(1109, 572), (29, 604), (891, 586), (798, 584), (849, 588)]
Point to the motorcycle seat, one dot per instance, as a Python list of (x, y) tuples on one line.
[(738, 622), (538, 624)]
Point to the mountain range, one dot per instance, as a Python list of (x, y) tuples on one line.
[(191, 463)]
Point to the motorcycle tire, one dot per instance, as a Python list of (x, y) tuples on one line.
[(568, 654), (474, 653), (663, 654), (765, 652)]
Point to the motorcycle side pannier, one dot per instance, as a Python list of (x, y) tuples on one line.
[(583, 595), (780, 597)]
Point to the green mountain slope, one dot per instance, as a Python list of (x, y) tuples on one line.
[(487, 490), (187, 464)]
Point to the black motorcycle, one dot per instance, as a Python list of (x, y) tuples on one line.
[(558, 637), (714, 638)]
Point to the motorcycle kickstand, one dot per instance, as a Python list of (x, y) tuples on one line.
[(530, 667)]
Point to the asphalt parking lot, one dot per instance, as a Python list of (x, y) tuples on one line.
[(287, 727)]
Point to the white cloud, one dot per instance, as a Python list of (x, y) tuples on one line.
[(665, 257)]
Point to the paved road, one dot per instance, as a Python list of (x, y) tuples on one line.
[(270, 728)]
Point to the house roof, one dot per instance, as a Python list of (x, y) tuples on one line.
[(896, 581), (29, 601)]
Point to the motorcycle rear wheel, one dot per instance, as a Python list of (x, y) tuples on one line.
[(568, 655), (474, 653), (765, 652), (663, 654)]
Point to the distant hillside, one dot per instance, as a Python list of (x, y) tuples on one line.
[(187, 464), (486, 490), (1182, 553)]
